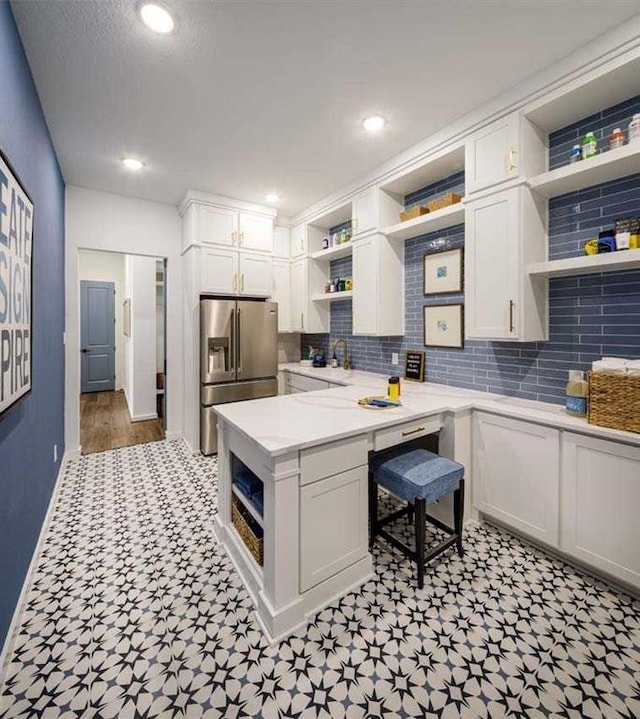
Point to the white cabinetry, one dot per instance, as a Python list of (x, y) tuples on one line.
[(502, 151), (378, 286), (231, 272), (600, 499), (282, 294), (505, 232), (374, 209), (210, 224), (281, 242), (305, 240), (516, 474), (307, 279)]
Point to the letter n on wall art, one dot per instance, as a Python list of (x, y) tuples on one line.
[(16, 272)]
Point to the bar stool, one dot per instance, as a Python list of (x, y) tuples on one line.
[(419, 477)]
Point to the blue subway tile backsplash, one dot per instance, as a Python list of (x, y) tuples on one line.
[(590, 316)]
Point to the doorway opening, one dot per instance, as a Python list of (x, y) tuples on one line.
[(123, 349)]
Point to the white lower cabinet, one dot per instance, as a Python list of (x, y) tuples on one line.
[(333, 523), (516, 474), (600, 500)]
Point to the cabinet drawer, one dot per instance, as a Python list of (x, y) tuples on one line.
[(391, 436), (307, 384), (329, 459)]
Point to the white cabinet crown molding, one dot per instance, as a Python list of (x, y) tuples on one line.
[(230, 203)]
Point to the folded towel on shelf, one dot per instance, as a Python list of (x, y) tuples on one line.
[(258, 501), (633, 367), (247, 483), (610, 364)]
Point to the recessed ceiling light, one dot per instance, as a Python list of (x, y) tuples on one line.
[(375, 123), (156, 17), (132, 164), (271, 197)]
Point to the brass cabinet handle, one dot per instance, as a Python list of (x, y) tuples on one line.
[(234, 236), (413, 431), (242, 282), (512, 163), (302, 320), (235, 280), (511, 306), (241, 238)]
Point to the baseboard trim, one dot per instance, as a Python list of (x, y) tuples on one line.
[(143, 417), (72, 455), (35, 558), (173, 435)]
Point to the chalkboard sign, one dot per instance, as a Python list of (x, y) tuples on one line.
[(414, 366)]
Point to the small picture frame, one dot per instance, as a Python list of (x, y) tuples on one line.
[(443, 272), (443, 326)]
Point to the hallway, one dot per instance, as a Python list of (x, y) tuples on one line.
[(105, 423), (135, 612)]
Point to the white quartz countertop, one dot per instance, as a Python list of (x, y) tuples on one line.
[(291, 422)]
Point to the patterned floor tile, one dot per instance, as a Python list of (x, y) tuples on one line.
[(134, 611)]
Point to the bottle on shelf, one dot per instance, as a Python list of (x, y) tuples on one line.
[(577, 392), (575, 154), (634, 128), (616, 139), (589, 146)]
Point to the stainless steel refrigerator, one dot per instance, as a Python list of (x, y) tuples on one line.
[(238, 357)]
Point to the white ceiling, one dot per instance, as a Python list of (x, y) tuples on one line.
[(250, 96)]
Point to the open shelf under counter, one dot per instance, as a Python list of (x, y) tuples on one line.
[(333, 253), (332, 296), (246, 503), (611, 165), (587, 264), (431, 222)]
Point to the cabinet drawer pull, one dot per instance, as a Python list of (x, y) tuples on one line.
[(512, 162), (413, 431), (511, 305)]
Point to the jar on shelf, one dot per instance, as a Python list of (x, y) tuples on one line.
[(575, 154), (616, 139), (589, 146)]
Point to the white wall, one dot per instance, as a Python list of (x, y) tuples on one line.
[(107, 267), (112, 223), (140, 346)]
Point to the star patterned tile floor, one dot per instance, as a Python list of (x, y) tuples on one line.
[(135, 612)]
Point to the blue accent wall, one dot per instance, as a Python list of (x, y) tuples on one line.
[(30, 428), (590, 315)]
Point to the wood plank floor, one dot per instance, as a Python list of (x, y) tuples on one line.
[(105, 423)]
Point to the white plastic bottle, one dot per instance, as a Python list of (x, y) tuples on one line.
[(634, 128)]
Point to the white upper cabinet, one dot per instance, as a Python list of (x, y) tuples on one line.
[(307, 278), (282, 293), (214, 224), (502, 151), (504, 232), (374, 209), (218, 270), (255, 274), (378, 286), (281, 242), (298, 241), (255, 232)]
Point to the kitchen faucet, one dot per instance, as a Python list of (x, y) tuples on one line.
[(345, 363)]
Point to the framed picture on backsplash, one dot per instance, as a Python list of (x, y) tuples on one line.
[(443, 326), (443, 271)]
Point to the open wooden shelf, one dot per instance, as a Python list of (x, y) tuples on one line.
[(431, 222), (332, 296), (333, 253), (587, 264), (609, 165)]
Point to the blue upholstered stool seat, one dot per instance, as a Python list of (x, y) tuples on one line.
[(418, 474), (418, 477)]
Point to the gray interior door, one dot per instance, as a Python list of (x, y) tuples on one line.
[(257, 339), (97, 336)]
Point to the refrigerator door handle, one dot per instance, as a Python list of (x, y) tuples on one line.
[(238, 343), (232, 349)]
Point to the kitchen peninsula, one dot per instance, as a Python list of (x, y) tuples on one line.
[(310, 451), (528, 465)]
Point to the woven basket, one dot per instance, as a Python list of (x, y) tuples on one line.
[(614, 400), (413, 212), (254, 545), (451, 198)]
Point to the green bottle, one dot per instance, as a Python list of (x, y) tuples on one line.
[(589, 146)]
